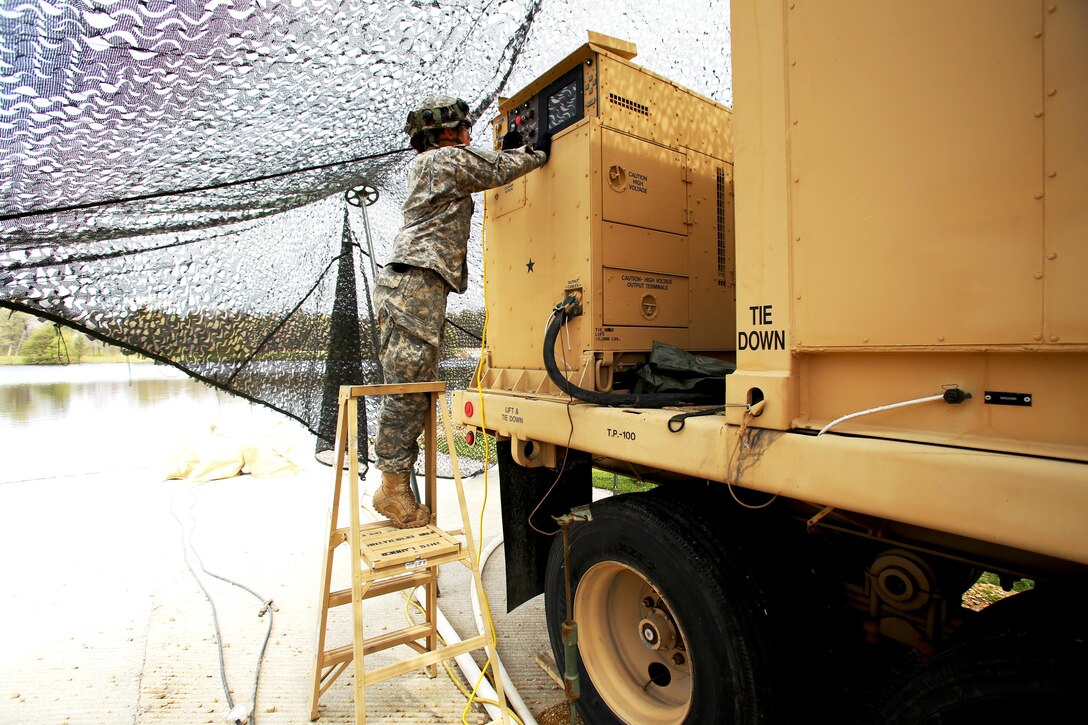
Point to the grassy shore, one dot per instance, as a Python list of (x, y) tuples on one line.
[(85, 360)]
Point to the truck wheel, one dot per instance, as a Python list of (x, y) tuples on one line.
[(997, 677), (668, 630)]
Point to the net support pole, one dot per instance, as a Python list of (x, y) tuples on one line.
[(343, 358)]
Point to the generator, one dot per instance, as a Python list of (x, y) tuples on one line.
[(631, 218)]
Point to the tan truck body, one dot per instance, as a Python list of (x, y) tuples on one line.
[(907, 220), (887, 236)]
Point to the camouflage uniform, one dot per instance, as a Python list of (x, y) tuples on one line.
[(429, 259)]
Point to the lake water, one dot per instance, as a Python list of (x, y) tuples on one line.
[(69, 420)]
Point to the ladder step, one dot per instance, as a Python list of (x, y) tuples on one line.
[(345, 652), (431, 562), (384, 586), (338, 536), (422, 660), (389, 546), (384, 535)]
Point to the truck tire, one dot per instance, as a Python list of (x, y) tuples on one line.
[(999, 676), (669, 631)]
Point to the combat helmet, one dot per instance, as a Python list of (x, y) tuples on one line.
[(437, 112)]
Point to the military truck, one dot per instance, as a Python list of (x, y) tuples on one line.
[(886, 237)]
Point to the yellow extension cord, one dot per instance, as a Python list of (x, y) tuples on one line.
[(410, 603), (485, 605)]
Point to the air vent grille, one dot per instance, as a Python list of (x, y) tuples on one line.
[(629, 104), (722, 262)]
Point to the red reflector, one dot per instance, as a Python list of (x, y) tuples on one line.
[(517, 121), (470, 438), (468, 410)]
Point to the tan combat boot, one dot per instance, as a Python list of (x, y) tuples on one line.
[(395, 501)]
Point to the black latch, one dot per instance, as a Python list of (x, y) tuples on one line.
[(955, 396)]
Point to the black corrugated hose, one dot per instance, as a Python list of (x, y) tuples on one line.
[(570, 308)]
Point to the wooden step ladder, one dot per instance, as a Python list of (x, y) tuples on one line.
[(385, 559)]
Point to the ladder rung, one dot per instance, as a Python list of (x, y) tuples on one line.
[(339, 536), (390, 536), (378, 574), (404, 554), (346, 652), (407, 545), (400, 636), (336, 655), (340, 598), (422, 660), (384, 586), (397, 584)]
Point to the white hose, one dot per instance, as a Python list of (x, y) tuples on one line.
[(870, 411), (508, 689), (464, 661), (468, 665)]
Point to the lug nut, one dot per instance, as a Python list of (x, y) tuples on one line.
[(648, 602), (678, 659)]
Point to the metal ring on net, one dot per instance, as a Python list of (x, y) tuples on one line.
[(364, 195)]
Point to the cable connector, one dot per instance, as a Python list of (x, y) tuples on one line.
[(570, 307), (268, 605), (955, 396), (239, 714)]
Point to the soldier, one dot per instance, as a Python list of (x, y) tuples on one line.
[(429, 259)]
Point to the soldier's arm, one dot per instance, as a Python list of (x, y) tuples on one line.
[(476, 169)]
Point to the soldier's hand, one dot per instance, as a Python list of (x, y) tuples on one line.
[(544, 143), (512, 140)]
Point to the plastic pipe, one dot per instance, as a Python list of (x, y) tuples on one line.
[(511, 692), (468, 666), (464, 661)]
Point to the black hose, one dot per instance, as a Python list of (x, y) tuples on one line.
[(626, 400)]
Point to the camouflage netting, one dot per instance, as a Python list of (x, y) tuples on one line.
[(176, 176)]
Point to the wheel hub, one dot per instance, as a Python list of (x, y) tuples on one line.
[(632, 648), (657, 631)]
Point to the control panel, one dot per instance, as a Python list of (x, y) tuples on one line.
[(553, 109)]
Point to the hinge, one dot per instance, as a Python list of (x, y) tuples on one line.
[(689, 217), (685, 174)]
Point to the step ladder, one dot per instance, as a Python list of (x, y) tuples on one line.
[(385, 559)]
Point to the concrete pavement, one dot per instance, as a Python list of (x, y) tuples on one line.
[(101, 621)]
